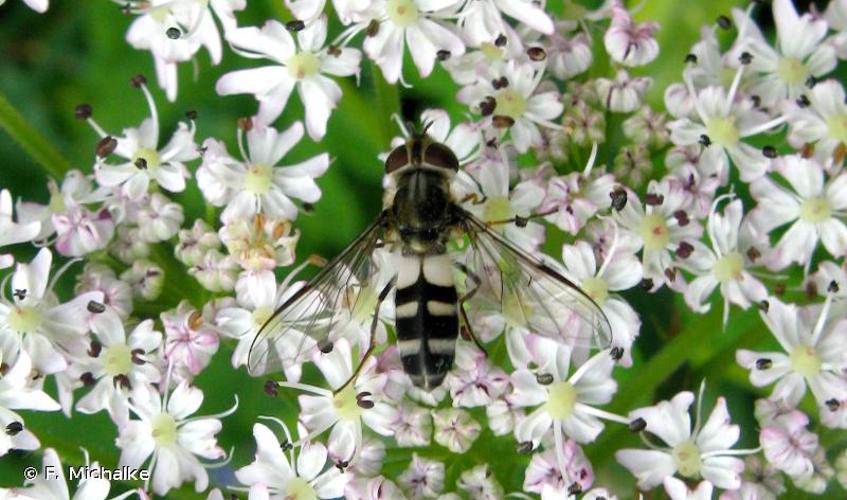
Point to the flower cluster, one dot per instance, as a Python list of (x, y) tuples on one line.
[(729, 191)]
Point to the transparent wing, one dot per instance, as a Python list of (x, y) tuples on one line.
[(528, 292), (305, 321)]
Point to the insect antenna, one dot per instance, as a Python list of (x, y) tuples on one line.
[(405, 126)]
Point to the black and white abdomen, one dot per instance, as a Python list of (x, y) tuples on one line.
[(427, 320)]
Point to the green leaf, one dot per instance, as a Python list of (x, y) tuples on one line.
[(31, 140)]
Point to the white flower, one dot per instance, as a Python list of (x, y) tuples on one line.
[(190, 340), (564, 402), (623, 94), (455, 429), (17, 394), (423, 478), (164, 429), (812, 206), (800, 55), (159, 219), (302, 65), (146, 279), (413, 426), (273, 475), (194, 243), (34, 321), (374, 488), (256, 183), (787, 444), (483, 21), (572, 199), (822, 122), (79, 231), (512, 98), (474, 380), (725, 264), (678, 490), (703, 451), (51, 483), (117, 295), (814, 356), (12, 232), (557, 473), (145, 163), (116, 363), (480, 484), (760, 481), (77, 189), (629, 43), (39, 6), (416, 23), (569, 52)]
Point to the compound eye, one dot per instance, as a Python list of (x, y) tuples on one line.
[(398, 159), (439, 155)]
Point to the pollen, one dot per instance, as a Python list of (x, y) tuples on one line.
[(117, 360), (686, 457), (24, 319), (163, 430), (805, 361), (561, 400), (303, 64), (258, 179), (654, 232), (403, 13)]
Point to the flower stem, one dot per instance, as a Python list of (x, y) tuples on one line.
[(35, 144)]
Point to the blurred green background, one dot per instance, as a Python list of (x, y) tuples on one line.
[(76, 53)]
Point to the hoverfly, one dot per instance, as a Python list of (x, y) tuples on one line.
[(420, 225)]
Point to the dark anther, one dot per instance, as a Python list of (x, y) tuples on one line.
[(95, 348), (536, 53), (373, 28), (654, 199), (333, 50), (811, 289), (191, 114), (122, 381), (574, 489), (500, 41), (764, 306), (502, 121), (753, 254), (341, 465), (683, 251), (811, 81), (325, 346), (19, 293), (286, 445), (173, 33), (724, 22), (619, 198), (14, 428), (245, 123), (308, 208), (808, 150), (681, 217), (544, 378), (487, 106), (803, 101), (443, 55), (769, 152), (691, 58), (616, 352), (646, 284), (295, 25), (362, 395), (95, 307), (4, 368), (499, 83), (366, 404), (705, 141), (638, 425), (106, 146), (87, 379), (757, 101), (521, 221), (271, 389), (83, 111), (525, 447), (670, 274), (137, 356), (141, 164), (833, 287), (779, 290), (137, 81), (833, 405), (763, 364), (745, 58)]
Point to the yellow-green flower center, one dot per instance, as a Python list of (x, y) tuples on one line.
[(561, 400), (498, 208), (303, 64), (722, 131), (686, 456), (346, 405), (792, 71), (654, 232), (805, 361), (298, 489), (261, 315), (365, 304), (816, 210), (596, 288), (403, 13), (258, 178), (164, 430), (510, 103), (837, 126), (149, 156), (491, 51), (729, 267), (57, 202), (24, 319), (117, 359)]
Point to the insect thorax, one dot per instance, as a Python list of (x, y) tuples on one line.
[(423, 210)]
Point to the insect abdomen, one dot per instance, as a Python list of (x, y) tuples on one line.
[(427, 320)]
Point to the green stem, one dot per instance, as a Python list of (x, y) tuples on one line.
[(35, 144)]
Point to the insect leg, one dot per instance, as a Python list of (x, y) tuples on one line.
[(521, 221), (372, 342), (467, 331)]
